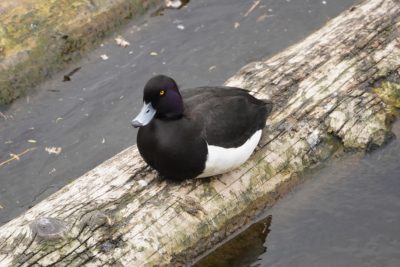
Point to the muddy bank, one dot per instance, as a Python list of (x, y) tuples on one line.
[(38, 38)]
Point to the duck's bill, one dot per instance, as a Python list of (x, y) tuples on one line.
[(145, 116)]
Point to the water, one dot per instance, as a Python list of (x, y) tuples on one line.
[(88, 117), (346, 213)]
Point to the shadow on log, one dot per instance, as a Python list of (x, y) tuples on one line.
[(120, 214)]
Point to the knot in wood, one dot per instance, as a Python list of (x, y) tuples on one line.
[(48, 228), (96, 218), (190, 205)]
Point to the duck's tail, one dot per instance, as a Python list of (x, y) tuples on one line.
[(268, 104)]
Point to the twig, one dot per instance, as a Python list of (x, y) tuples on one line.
[(16, 156), (251, 8)]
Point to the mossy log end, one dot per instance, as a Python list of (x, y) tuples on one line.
[(324, 90)]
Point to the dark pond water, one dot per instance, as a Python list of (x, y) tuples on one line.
[(86, 114), (346, 213)]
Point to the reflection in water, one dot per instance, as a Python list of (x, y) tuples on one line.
[(241, 250), (346, 213)]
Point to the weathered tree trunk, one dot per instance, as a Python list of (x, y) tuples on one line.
[(323, 89)]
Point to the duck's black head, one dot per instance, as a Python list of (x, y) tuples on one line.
[(161, 99)]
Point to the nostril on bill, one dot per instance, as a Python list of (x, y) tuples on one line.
[(136, 124)]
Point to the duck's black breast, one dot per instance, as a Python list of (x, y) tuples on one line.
[(175, 148), (228, 116)]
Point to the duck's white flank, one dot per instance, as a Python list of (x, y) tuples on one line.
[(221, 160)]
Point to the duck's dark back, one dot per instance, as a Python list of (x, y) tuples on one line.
[(230, 116)]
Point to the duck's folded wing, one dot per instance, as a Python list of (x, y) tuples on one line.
[(229, 116)]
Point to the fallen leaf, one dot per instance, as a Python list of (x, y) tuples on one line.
[(53, 150), (121, 41), (104, 57), (153, 54), (262, 18), (237, 24), (32, 141)]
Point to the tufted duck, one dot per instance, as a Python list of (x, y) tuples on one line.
[(198, 132)]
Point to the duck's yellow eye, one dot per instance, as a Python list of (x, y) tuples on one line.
[(162, 92)]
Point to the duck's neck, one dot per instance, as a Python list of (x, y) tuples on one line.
[(170, 107)]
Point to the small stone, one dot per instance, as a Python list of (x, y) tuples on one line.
[(176, 4)]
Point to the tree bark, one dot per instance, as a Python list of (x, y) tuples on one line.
[(323, 88)]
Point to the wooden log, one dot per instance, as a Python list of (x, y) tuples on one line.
[(121, 214)]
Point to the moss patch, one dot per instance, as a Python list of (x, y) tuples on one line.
[(38, 38), (390, 93)]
